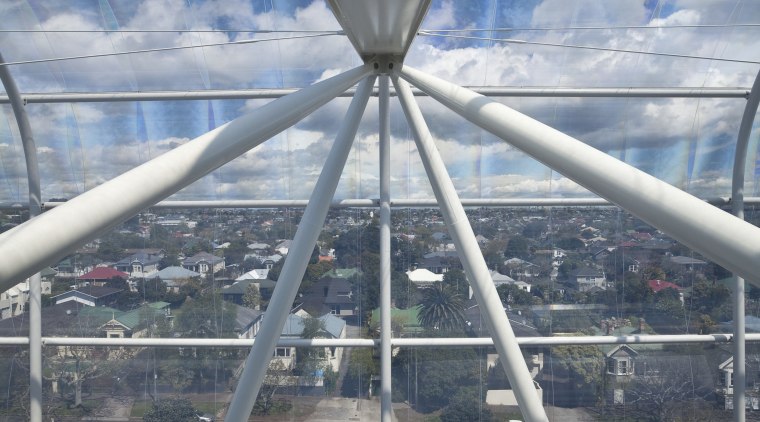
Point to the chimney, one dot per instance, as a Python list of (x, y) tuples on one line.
[(641, 324)]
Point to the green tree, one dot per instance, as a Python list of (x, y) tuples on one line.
[(252, 297), (534, 229), (403, 291), (310, 361), (517, 247), (708, 297), (208, 316), (435, 375), (584, 366), (653, 273), (441, 309), (456, 280), (109, 249), (278, 376), (362, 365), (465, 405), (173, 409), (570, 243), (511, 294)]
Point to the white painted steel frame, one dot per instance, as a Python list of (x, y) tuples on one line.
[(384, 140), (737, 194), (727, 240), (96, 210), (394, 203), (472, 260), (395, 342), (273, 93), (35, 281), (306, 236)]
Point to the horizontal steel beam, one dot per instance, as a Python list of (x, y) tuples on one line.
[(396, 342), (374, 203), (489, 91)]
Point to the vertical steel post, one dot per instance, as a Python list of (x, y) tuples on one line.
[(386, 405), (727, 240), (306, 236), (472, 260), (85, 216), (35, 201), (737, 206)]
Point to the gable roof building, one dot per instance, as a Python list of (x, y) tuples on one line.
[(102, 275), (204, 263)]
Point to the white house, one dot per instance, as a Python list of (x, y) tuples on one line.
[(204, 263), (584, 279), (423, 278)]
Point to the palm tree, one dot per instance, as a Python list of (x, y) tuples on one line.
[(441, 308)]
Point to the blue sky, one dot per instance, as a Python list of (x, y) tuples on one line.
[(686, 142)]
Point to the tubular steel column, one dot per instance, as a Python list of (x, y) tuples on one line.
[(35, 290), (737, 206), (727, 240), (84, 217), (472, 259), (298, 258), (386, 405)]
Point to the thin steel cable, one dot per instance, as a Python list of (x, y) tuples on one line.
[(153, 50), (117, 31), (581, 28), (586, 47)]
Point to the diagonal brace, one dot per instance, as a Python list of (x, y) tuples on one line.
[(472, 260), (298, 258)]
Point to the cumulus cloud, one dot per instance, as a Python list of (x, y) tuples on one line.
[(681, 140)]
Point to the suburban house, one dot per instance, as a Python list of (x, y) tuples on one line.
[(631, 372), (259, 249), (101, 276), (619, 368), (334, 328), (330, 295), (500, 279), (137, 322), (174, 277), (13, 301), (423, 278), (439, 262), (74, 266), (404, 322), (247, 322), (726, 382), (521, 269), (139, 264), (660, 285), (269, 261), (204, 263), (585, 279), (89, 296), (255, 274), (283, 247), (236, 291), (74, 319)]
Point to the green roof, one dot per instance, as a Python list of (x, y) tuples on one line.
[(159, 305), (407, 317), (99, 315), (145, 313), (342, 272)]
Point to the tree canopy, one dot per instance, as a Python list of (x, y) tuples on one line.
[(441, 308), (173, 409)]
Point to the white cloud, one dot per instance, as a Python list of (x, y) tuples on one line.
[(99, 144)]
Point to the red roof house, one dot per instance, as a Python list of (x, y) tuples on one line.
[(657, 285), (103, 274)]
